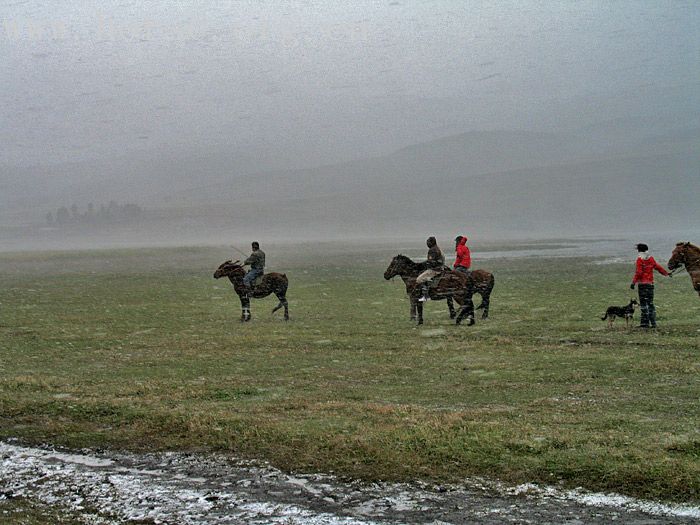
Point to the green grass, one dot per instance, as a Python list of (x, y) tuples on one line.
[(142, 349)]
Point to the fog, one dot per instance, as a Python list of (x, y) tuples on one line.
[(227, 121)]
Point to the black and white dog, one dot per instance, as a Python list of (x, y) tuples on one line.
[(626, 312)]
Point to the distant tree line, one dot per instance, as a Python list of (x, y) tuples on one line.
[(111, 213)]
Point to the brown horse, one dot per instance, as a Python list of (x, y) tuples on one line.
[(450, 285), (688, 255), (414, 270), (271, 283)]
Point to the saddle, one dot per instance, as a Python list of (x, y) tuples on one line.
[(435, 281)]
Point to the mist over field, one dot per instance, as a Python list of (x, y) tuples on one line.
[(159, 123)]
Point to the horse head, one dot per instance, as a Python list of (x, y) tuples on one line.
[(687, 255), (229, 269), (680, 255), (399, 265)]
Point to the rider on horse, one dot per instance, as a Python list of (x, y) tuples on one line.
[(257, 265), (436, 264), (463, 259)]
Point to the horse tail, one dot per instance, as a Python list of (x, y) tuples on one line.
[(604, 317)]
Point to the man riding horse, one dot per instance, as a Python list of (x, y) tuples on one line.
[(257, 267), (436, 266)]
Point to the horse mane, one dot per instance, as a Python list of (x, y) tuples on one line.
[(410, 263), (230, 266), (688, 245)]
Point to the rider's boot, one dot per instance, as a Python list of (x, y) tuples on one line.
[(426, 293)]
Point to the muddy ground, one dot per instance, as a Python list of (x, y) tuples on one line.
[(107, 487)]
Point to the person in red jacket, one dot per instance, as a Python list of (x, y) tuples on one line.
[(644, 278), (463, 259)]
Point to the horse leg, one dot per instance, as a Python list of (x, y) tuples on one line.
[(466, 311), (412, 301), (481, 306), (419, 308), (280, 304), (451, 306), (485, 302), (283, 302), (246, 310), (281, 296)]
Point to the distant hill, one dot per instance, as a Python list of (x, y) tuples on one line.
[(611, 177), (496, 181)]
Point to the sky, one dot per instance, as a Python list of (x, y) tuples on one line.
[(299, 84)]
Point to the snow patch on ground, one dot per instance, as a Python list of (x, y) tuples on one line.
[(188, 489), (89, 461), (596, 499), (81, 482)]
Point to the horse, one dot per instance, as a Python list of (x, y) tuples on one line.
[(273, 282), (457, 285), (688, 255), (414, 270)]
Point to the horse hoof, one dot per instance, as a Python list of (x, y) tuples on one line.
[(470, 321)]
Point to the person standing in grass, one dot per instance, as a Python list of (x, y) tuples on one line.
[(644, 278), (463, 258)]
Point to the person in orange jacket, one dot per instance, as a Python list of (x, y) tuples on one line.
[(644, 278)]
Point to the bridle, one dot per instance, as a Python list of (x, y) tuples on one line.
[(684, 265), (394, 266)]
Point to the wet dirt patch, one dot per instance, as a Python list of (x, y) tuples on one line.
[(181, 488)]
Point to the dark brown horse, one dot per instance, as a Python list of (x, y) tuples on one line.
[(271, 283), (688, 255), (451, 284), (414, 269)]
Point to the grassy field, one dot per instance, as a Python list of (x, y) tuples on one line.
[(143, 350)]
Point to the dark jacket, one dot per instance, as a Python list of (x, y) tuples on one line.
[(436, 260), (256, 260)]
